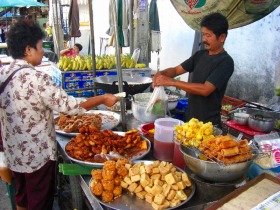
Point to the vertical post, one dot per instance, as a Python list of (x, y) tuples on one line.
[(118, 57), (92, 43)]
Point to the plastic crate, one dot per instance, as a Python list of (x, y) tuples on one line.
[(235, 103)]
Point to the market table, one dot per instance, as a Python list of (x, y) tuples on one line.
[(80, 183)]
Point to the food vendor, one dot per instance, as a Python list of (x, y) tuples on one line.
[(28, 98), (211, 68)]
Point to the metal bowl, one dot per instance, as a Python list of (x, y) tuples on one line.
[(261, 123), (241, 118), (131, 85), (213, 171)]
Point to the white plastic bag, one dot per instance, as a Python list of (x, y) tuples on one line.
[(158, 102)]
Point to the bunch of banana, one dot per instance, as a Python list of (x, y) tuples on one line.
[(140, 65)]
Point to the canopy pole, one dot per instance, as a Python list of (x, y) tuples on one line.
[(118, 57), (92, 43)]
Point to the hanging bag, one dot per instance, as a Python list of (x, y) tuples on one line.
[(158, 102)]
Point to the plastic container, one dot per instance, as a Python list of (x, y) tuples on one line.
[(163, 138), (178, 159), (183, 104)]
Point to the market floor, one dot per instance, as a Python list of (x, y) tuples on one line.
[(5, 203)]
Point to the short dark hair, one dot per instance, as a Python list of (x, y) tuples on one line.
[(79, 46), (215, 22), (22, 33)]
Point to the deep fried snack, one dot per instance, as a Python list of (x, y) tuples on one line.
[(97, 188), (121, 162), (96, 174), (117, 191), (243, 143), (122, 171), (117, 180), (230, 151), (245, 149), (228, 144), (108, 174), (108, 185), (109, 165), (107, 196)]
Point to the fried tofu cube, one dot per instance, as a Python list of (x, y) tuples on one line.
[(171, 195), (158, 182), (148, 168), (139, 188), (174, 202), (124, 184), (141, 194), (181, 195), (135, 178), (174, 187), (163, 170), (156, 163), (166, 188), (134, 171), (144, 180), (186, 180), (127, 180), (155, 176), (155, 171), (162, 177), (157, 207), (148, 189), (181, 185), (132, 187), (149, 197), (142, 170), (128, 166), (162, 164), (156, 189), (159, 199), (170, 179)]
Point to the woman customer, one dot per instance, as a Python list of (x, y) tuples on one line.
[(26, 113)]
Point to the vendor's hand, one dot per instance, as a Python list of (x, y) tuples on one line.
[(161, 80), (110, 99)]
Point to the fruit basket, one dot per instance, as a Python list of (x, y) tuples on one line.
[(229, 104)]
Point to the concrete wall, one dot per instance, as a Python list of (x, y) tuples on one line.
[(255, 48)]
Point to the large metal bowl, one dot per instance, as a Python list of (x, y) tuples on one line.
[(131, 85), (213, 171)]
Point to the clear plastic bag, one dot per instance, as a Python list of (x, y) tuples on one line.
[(158, 102)]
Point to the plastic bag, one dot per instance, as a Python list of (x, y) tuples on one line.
[(158, 102)]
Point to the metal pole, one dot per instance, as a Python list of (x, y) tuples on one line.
[(131, 29), (118, 57), (92, 43)]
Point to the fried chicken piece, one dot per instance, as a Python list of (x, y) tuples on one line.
[(97, 174), (117, 181), (109, 165), (108, 185), (121, 162), (108, 174), (117, 191), (107, 196), (122, 171), (97, 188)]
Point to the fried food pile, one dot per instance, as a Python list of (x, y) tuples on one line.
[(159, 183), (91, 141), (106, 182), (72, 124), (227, 150)]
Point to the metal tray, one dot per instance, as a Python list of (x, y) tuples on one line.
[(128, 201), (109, 121), (138, 156)]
